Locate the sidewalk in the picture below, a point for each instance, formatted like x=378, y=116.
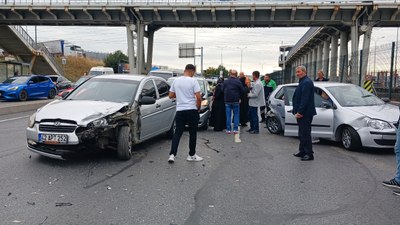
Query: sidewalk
x=15, y=107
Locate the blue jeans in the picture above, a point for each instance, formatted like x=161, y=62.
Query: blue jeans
x=397, y=152
x=228, y=109
x=253, y=118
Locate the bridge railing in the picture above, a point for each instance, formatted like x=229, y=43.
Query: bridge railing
x=21, y=32
x=167, y=2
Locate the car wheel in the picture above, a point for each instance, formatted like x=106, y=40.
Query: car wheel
x=52, y=93
x=350, y=139
x=124, y=143
x=274, y=125
x=23, y=95
x=171, y=131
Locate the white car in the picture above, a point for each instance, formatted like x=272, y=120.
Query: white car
x=107, y=111
x=345, y=113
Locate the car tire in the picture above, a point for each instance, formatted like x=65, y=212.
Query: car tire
x=274, y=125
x=205, y=126
x=52, y=93
x=350, y=139
x=23, y=95
x=124, y=143
x=170, y=133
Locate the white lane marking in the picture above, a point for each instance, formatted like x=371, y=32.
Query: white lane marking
x=11, y=119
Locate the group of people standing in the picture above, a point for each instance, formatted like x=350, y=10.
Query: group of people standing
x=242, y=98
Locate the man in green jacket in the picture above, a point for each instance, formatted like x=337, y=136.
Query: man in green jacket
x=269, y=87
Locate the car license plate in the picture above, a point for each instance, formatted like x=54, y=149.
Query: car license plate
x=53, y=138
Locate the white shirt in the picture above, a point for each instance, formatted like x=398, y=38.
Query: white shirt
x=185, y=88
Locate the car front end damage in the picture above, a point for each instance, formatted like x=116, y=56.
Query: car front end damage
x=59, y=138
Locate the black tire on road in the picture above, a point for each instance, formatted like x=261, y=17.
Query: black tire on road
x=124, y=143
x=23, y=95
x=350, y=139
x=52, y=93
x=274, y=125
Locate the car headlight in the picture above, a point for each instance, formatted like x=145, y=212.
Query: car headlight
x=31, y=121
x=13, y=88
x=378, y=124
x=98, y=123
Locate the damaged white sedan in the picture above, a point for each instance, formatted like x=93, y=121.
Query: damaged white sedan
x=105, y=112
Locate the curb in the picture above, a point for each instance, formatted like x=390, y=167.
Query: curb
x=16, y=107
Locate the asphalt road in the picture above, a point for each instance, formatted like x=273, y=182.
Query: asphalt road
x=257, y=181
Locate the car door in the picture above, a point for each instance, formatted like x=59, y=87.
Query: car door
x=150, y=114
x=167, y=105
x=32, y=87
x=43, y=86
x=291, y=127
x=322, y=124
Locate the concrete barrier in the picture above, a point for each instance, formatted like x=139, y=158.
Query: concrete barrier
x=16, y=107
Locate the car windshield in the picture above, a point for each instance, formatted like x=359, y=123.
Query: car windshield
x=350, y=96
x=81, y=80
x=16, y=80
x=111, y=90
x=95, y=73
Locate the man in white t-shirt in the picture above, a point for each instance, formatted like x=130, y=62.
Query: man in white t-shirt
x=186, y=90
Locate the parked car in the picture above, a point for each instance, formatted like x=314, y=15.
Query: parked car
x=106, y=112
x=163, y=73
x=60, y=81
x=26, y=87
x=206, y=102
x=346, y=113
x=101, y=70
x=82, y=79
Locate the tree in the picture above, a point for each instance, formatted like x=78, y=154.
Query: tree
x=114, y=59
x=212, y=72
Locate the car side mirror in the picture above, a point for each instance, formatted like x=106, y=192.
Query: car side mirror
x=146, y=100
x=386, y=100
x=30, y=82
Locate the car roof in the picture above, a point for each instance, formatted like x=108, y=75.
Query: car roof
x=322, y=84
x=134, y=77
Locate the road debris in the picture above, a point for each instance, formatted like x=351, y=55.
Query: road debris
x=31, y=203
x=63, y=204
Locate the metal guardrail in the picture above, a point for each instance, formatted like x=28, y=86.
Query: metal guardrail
x=21, y=32
x=169, y=2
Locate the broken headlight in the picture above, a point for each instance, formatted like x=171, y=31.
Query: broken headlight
x=102, y=122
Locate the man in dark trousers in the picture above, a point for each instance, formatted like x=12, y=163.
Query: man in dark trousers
x=186, y=91
x=304, y=111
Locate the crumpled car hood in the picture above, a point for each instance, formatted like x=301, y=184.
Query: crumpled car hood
x=81, y=111
x=386, y=112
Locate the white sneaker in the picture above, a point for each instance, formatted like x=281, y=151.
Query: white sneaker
x=314, y=140
x=194, y=158
x=171, y=158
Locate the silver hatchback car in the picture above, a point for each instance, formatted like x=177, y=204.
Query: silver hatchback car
x=107, y=111
x=345, y=113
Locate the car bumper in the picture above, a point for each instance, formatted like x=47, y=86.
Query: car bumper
x=377, y=139
x=9, y=95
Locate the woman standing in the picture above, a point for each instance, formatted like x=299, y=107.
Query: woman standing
x=244, y=100
x=218, y=117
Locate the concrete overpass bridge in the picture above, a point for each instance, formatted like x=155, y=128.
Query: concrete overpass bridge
x=142, y=18
x=16, y=41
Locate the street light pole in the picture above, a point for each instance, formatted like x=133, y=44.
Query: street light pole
x=241, y=57
x=222, y=48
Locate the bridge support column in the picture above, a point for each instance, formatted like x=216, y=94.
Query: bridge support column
x=325, y=59
x=319, y=58
x=150, y=44
x=309, y=62
x=31, y=65
x=365, y=54
x=140, y=48
x=343, y=59
x=131, y=48
x=353, y=78
x=334, y=59
x=313, y=70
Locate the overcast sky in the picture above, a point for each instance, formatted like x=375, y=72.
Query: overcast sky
x=260, y=45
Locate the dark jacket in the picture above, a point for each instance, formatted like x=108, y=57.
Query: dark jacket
x=323, y=79
x=233, y=90
x=303, y=98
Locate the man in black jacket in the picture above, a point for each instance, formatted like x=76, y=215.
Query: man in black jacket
x=233, y=91
x=304, y=111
